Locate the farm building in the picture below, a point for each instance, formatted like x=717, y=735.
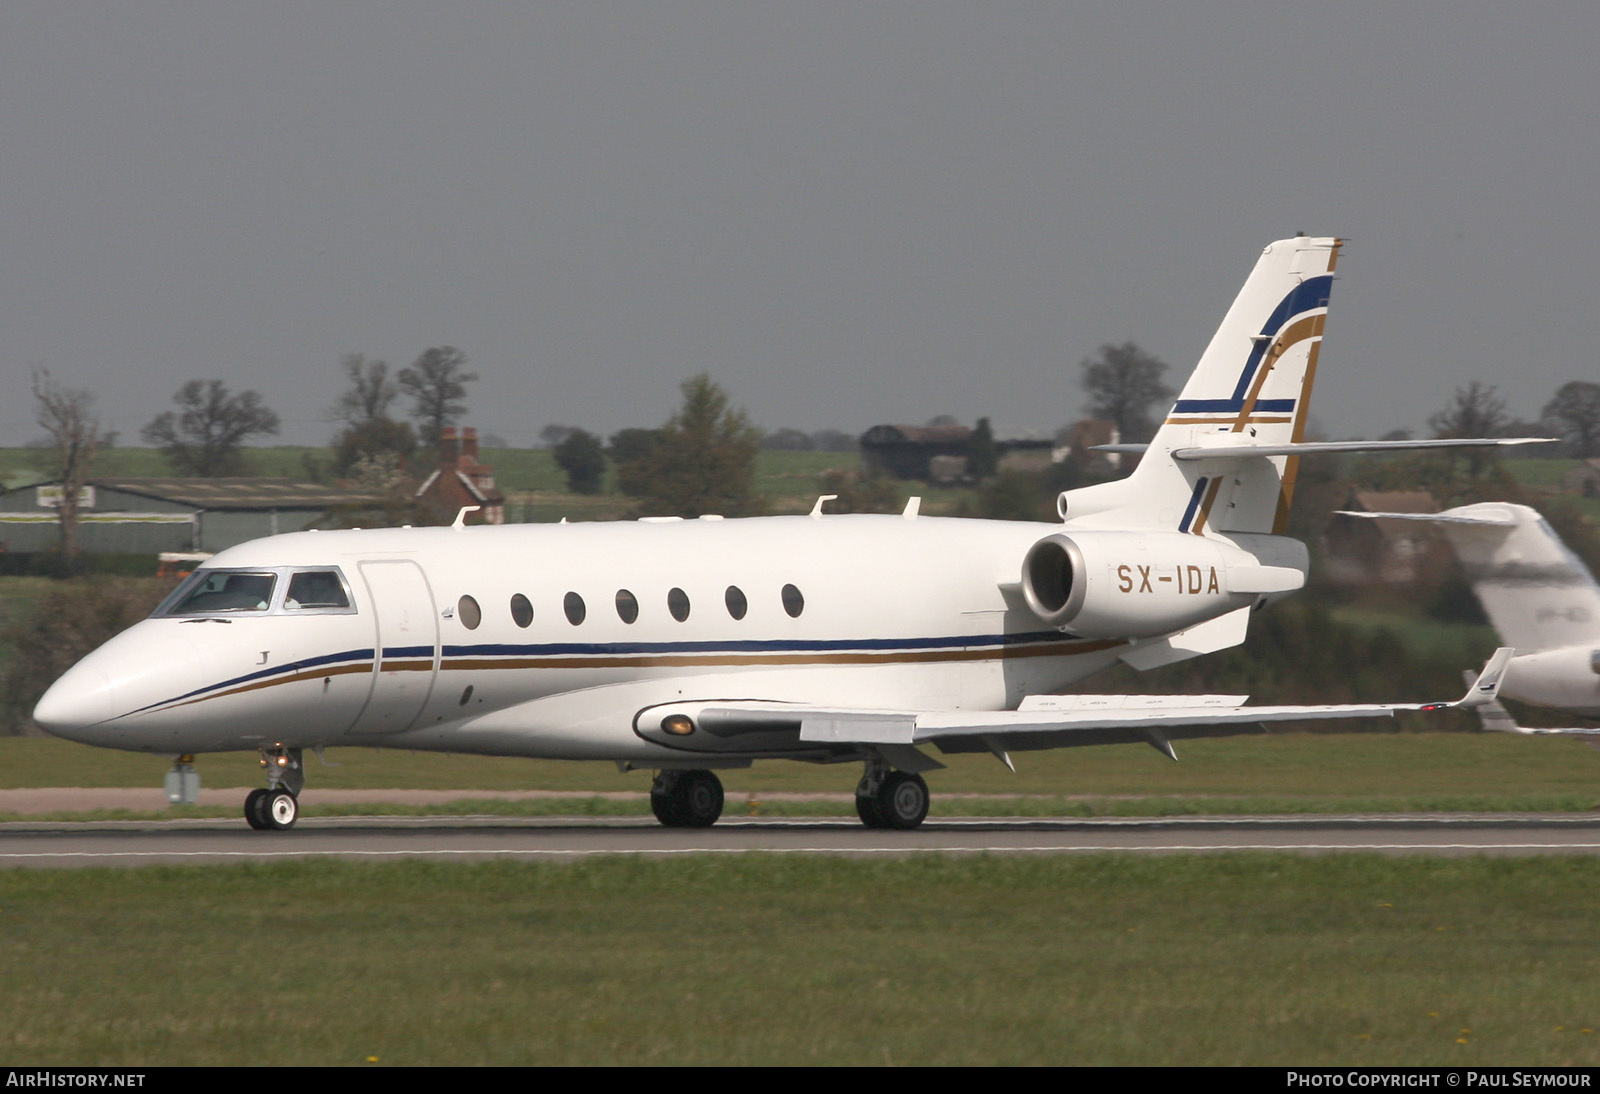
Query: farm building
x=939, y=453
x=148, y=516
x=461, y=482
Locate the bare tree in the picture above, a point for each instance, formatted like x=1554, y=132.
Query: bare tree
x=437, y=384
x=1123, y=383
x=67, y=415
x=370, y=391
x=370, y=438
x=204, y=436
x=1574, y=414
x=1474, y=411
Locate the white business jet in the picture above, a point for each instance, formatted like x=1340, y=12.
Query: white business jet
x=686, y=646
x=1540, y=597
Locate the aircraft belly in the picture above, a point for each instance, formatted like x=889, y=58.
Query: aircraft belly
x=589, y=713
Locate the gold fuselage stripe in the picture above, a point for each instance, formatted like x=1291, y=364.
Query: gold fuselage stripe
x=459, y=664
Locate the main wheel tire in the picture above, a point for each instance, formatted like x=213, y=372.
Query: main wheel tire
x=902, y=800
x=686, y=799
x=664, y=802
x=282, y=810
x=255, y=812
x=867, y=810
x=700, y=793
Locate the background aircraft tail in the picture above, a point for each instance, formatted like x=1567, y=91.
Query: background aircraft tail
x=1536, y=592
x=1250, y=388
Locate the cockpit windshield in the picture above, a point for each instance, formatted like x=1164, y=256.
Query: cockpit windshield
x=275, y=590
x=222, y=591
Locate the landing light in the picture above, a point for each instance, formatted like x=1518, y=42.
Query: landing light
x=678, y=725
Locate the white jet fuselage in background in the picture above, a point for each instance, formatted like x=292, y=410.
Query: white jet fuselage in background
x=1539, y=596
x=896, y=612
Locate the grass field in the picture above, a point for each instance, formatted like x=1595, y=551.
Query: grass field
x=1117, y=959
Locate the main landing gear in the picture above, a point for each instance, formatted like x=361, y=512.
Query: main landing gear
x=686, y=799
x=886, y=798
x=277, y=806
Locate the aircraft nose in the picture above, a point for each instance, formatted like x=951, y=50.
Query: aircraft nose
x=76, y=703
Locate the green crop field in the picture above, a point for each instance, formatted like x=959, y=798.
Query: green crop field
x=1111, y=959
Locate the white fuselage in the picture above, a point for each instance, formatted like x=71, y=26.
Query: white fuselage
x=893, y=612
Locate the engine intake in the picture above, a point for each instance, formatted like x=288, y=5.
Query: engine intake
x=1054, y=580
x=1138, y=585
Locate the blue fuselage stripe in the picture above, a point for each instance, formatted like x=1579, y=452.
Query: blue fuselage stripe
x=364, y=657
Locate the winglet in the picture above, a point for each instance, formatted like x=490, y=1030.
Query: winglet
x=1486, y=688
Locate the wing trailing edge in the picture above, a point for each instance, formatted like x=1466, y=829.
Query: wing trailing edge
x=1055, y=720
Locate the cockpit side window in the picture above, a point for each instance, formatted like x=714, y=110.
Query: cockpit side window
x=274, y=590
x=314, y=589
x=224, y=591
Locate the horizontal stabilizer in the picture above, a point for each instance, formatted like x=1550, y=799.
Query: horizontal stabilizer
x=1486, y=515
x=1308, y=448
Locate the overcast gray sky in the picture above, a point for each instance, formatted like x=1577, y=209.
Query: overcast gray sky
x=846, y=213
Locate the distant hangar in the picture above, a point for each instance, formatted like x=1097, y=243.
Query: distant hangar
x=148, y=516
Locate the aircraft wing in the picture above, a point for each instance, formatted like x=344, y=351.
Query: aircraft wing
x=1053, y=721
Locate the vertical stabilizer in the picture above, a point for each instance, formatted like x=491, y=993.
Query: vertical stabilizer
x=1251, y=386
x=1536, y=592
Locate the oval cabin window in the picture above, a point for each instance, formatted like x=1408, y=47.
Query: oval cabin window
x=737, y=604
x=627, y=606
x=469, y=613
x=793, y=602
x=678, y=604
x=573, y=605
x=521, y=610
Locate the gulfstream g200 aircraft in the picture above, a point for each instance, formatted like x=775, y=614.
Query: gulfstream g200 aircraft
x=685, y=646
x=1539, y=595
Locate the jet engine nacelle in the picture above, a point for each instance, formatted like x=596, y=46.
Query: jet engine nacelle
x=1133, y=585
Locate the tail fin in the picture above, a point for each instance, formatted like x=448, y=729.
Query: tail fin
x=1536, y=592
x=1252, y=386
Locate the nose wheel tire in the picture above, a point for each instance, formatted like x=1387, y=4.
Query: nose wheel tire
x=255, y=809
x=282, y=810
x=686, y=799
x=275, y=810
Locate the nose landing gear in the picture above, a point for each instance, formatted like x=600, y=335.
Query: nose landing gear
x=277, y=806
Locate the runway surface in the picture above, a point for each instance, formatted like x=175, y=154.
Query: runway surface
x=140, y=843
